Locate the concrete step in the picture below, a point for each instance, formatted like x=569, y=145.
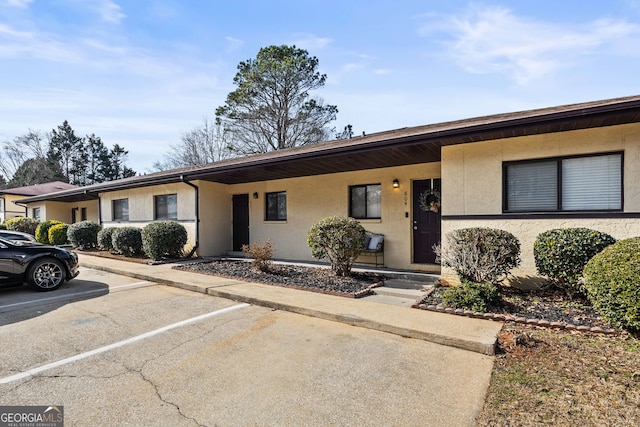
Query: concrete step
x=400, y=293
x=392, y=300
x=417, y=285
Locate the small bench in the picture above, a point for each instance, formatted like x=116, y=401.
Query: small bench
x=373, y=250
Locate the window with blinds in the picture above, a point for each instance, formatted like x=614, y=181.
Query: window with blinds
x=588, y=183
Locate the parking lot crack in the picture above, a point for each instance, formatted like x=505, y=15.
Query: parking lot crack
x=162, y=399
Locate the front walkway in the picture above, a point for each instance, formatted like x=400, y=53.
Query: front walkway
x=476, y=335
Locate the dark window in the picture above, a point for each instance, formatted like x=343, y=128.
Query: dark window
x=364, y=201
x=587, y=183
x=36, y=213
x=166, y=206
x=121, y=210
x=83, y=214
x=276, y=209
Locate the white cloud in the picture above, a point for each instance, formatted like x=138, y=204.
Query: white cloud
x=17, y=3
x=494, y=40
x=233, y=43
x=311, y=42
x=110, y=11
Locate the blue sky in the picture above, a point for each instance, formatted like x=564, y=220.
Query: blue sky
x=140, y=73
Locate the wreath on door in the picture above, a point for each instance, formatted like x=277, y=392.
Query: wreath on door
x=429, y=201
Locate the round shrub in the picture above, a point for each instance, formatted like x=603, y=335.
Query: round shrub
x=42, y=231
x=472, y=296
x=612, y=281
x=562, y=253
x=481, y=254
x=104, y=238
x=3, y=227
x=127, y=240
x=84, y=234
x=164, y=239
x=23, y=224
x=58, y=234
x=338, y=238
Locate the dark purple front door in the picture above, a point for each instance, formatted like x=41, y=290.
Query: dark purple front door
x=426, y=220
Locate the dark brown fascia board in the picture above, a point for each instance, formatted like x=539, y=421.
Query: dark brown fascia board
x=431, y=135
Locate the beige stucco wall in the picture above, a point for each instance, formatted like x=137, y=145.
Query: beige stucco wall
x=61, y=211
x=472, y=183
x=141, y=208
x=11, y=210
x=310, y=199
x=215, y=218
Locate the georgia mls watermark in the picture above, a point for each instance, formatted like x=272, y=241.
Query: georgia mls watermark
x=31, y=416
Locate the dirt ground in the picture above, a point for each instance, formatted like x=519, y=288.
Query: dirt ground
x=561, y=378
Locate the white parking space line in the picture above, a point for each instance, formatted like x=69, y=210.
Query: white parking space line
x=113, y=346
x=69, y=296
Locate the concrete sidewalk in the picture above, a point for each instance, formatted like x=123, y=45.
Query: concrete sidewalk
x=476, y=335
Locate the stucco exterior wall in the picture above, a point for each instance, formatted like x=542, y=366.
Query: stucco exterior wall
x=141, y=207
x=215, y=219
x=61, y=211
x=310, y=199
x=472, y=184
x=11, y=210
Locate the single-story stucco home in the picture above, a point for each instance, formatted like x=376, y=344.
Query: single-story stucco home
x=10, y=206
x=524, y=172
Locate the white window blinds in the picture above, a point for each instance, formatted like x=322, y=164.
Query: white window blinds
x=592, y=183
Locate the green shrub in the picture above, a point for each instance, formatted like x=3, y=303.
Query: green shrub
x=127, y=240
x=3, y=227
x=23, y=224
x=472, y=296
x=562, y=253
x=481, y=254
x=261, y=254
x=339, y=239
x=84, y=234
x=612, y=282
x=104, y=238
x=42, y=230
x=58, y=234
x=164, y=239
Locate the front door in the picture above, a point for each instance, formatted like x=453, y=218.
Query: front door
x=240, y=221
x=426, y=220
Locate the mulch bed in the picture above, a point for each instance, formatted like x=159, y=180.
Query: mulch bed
x=549, y=307
x=315, y=279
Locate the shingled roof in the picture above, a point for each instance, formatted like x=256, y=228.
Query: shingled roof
x=39, y=189
x=411, y=145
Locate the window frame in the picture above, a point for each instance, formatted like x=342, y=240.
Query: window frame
x=560, y=185
x=366, y=202
x=267, y=213
x=113, y=207
x=38, y=211
x=155, y=206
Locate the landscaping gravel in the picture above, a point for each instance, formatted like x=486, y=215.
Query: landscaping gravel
x=310, y=278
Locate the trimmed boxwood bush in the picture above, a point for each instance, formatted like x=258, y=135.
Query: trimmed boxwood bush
x=127, y=240
x=562, y=253
x=58, y=234
x=612, y=281
x=481, y=255
x=104, y=237
x=42, y=231
x=472, y=296
x=23, y=224
x=339, y=239
x=84, y=234
x=164, y=239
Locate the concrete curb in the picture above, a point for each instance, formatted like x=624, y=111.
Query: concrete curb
x=476, y=335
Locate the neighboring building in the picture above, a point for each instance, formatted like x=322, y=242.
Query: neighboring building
x=525, y=172
x=8, y=198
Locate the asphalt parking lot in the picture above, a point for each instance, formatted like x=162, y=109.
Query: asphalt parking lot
x=119, y=351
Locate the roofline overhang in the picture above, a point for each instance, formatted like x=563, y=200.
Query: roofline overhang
x=500, y=126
